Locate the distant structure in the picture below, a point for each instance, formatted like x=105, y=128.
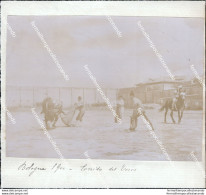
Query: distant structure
x=27, y=97
x=157, y=91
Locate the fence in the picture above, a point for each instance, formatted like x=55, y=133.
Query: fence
x=194, y=96
x=28, y=97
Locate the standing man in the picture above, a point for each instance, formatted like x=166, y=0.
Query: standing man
x=44, y=104
x=47, y=106
x=80, y=107
x=137, y=105
x=119, y=108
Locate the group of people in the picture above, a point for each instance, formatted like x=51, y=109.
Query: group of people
x=136, y=106
x=53, y=110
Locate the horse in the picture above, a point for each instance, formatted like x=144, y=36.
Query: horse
x=180, y=105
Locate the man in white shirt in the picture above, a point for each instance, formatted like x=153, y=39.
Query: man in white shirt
x=177, y=95
x=119, y=108
x=137, y=107
x=80, y=107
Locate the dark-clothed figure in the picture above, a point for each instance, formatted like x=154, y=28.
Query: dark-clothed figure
x=51, y=111
x=47, y=107
x=58, y=109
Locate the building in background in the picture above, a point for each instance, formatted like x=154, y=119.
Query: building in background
x=151, y=92
x=157, y=91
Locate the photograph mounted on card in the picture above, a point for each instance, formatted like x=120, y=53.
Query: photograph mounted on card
x=104, y=92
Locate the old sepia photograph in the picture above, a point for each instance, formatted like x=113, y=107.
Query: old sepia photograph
x=105, y=87
x=102, y=95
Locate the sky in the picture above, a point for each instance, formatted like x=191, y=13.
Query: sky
x=115, y=62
